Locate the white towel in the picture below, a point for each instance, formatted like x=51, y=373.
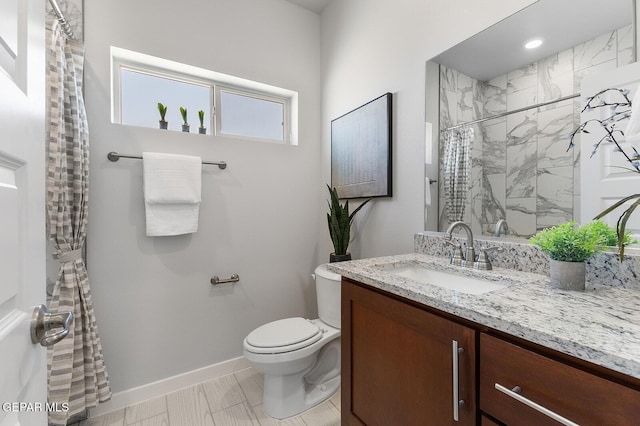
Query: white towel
x=172, y=193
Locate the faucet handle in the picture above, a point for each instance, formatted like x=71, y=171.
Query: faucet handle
x=457, y=258
x=483, y=262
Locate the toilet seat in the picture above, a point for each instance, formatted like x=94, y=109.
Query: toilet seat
x=281, y=336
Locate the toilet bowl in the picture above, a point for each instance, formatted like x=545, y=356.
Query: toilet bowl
x=300, y=358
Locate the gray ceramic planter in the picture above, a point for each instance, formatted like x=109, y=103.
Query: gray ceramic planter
x=163, y=124
x=567, y=275
x=339, y=257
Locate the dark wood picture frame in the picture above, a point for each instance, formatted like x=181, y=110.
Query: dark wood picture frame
x=361, y=150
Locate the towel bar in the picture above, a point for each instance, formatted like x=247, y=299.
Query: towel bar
x=215, y=280
x=114, y=156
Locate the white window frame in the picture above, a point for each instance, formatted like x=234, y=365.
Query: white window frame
x=286, y=127
x=163, y=68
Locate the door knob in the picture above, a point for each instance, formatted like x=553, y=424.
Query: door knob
x=44, y=325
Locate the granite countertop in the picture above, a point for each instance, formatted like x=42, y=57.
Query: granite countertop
x=600, y=325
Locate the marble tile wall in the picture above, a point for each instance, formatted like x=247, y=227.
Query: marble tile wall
x=521, y=169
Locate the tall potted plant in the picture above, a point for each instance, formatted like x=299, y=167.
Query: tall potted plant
x=339, y=221
x=185, y=124
x=163, y=111
x=569, y=246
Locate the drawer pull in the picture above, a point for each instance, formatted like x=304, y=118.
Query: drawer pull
x=457, y=402
x=515, y=394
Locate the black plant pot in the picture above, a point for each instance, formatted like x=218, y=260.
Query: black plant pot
x=339, y=257
x=163, y=124
x=185, y=128
x=202, y=130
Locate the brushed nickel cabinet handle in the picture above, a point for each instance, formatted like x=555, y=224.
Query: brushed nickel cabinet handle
x=457, y=402
x=515, y=394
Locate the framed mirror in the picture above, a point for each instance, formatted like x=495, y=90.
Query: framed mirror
x=519, y=104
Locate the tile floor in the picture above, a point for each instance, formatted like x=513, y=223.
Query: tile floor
x=231, y=400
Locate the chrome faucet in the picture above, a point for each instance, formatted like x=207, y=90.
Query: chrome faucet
x=501, y=225
x=470, y=254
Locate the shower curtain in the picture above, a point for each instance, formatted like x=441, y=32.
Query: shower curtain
x=76, y=371
x=457, y=169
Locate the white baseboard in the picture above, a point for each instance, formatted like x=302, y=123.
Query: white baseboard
x=170, y=384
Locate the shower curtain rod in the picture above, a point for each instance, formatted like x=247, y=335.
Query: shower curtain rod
x=468, y=123
x=63, y=21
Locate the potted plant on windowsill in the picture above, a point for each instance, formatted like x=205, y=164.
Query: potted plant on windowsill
x=569, y=246
x=163, y=111
x=185, y=124
x=339, y=221
x=202, y=130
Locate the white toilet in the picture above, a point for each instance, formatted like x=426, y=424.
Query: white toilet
x=300, y=358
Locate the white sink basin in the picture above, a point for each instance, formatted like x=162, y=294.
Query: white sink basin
x=448, y=280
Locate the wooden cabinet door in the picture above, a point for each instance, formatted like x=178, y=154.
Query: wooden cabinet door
x=398, y=363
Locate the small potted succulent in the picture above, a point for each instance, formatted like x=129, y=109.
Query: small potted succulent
x=185, y=124
x=163, y=111
x=202, y=130
x=339, y=221
x=569, y=246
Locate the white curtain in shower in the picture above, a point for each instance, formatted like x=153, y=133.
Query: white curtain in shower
x=457, y=171
x=76, y=372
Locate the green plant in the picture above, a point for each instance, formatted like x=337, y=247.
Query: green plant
x=201, y=117
x=339, y=221
x=568, y=242
x=610, y=234
x=163, y=111
x=183, y=113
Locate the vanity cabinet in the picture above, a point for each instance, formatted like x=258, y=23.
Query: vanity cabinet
x=400, y=365
x=514, y=379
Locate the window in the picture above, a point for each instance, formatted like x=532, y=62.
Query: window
x=141, y=92
x=233, y=107
x=241, y=114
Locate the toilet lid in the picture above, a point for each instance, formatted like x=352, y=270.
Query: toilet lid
x=284, y=335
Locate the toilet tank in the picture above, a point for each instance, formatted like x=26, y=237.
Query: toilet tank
x=328, y=292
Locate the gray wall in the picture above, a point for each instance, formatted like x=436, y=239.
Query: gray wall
x=264, y=216
x=157, y=313
x=370, y=47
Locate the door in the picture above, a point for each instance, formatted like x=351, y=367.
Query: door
x=605, y=177
x=22, y=210
x=431, y=142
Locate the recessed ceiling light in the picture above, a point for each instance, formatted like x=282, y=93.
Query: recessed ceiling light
x=532, y=44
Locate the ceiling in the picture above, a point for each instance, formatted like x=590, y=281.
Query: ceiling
x=560, y=23
x=316, y=6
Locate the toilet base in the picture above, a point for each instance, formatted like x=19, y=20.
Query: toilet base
x=287, y=395
x=280, y=405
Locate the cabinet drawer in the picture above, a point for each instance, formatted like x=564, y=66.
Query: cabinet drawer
x=574, y=394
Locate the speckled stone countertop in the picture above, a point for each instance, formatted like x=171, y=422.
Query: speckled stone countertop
x=600, y=325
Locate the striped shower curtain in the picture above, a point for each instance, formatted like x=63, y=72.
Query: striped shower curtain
x=76, y=371
x=457, y=171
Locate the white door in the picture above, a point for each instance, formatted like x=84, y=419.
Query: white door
x=605, y=177
x=22, y=210
x=432, y=131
